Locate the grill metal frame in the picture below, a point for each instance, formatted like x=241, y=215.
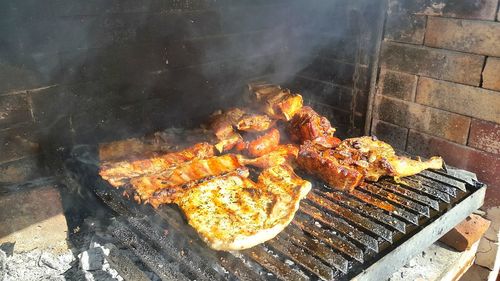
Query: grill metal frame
x=365, y=235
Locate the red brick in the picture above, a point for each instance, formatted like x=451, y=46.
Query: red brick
x=436, y=63
x=478, y=9
x=485, y=136
x=398, y=84
x=436, y=122
x=491, y=74
x=485, y=165
x=462, y=99
x=479, y=37
x=405, y=27
x=466, y=233
x=390, y=133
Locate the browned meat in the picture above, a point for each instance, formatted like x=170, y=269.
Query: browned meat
x=376, y=158
x=254, y=123
x=222, y=126
x=187, y=172
x=307, y=124
x=264, y=144
x=116, y=173
x=276, y=102
x=320, y=162
x=284, y=153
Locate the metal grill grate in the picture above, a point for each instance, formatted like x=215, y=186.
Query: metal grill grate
x=334, y=235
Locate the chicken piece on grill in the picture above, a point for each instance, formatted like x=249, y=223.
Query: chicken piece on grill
x=308, y=125
x=231, y=212
x=184, y=173
x=284, y=153
x=222, y=126
x=117, y=173
x=377, y=158
x=321, y=162
x=254, y=123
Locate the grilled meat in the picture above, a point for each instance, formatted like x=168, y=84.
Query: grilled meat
x=254, y=123
x=184, y=173
x=284, y=153
x=233, y=213
x=264, y=144
x=276, y=102
x=171, y=194
x=321, y=162
x=222, y=126
x=308, y=125
x=117, y=173
x=376, y=158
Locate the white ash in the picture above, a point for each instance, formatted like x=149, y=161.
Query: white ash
x=35, y=265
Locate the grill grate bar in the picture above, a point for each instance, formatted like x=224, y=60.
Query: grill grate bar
x=341, y=226
x=365, y=209
x=329, y=238
x=272, y=264
x=298, y=237
x=410, y=194
x=397, y=211
x=446, y=180
x=421, y=209
x=429, y=190
x=354, y=218
x=437, y=185
x=297, y=255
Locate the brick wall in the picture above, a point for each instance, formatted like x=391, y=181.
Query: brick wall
x=439, y=84
x=79, y=72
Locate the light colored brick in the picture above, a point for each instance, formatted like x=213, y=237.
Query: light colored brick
x=478, y=37
x=491, y=74
x=485, y=136
x=436, y=122
x=462, y=99
x=435, y=63
x=398, y=84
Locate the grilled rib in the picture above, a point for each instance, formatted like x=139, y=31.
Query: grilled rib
x=117, y=173
x=186, y=172
x=284, y=153
x=254, y=123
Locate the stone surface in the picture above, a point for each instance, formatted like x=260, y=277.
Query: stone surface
x=477, y=273
x=20, y=171
x=493, y=233
x=478, y=37
x=14, y=109
x=471, y=9
x=462, y=99
x=437, y=122
x=484, y=164
x=18, y=142
x=466, y=233
x=487, y=254
x=491, y=74
x=397, y=84
x=485, y=136
x=435, y=63
x=33, y=219
x=390, y=133
x=438, y=262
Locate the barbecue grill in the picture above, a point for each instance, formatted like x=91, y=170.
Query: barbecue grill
x=363, y=235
